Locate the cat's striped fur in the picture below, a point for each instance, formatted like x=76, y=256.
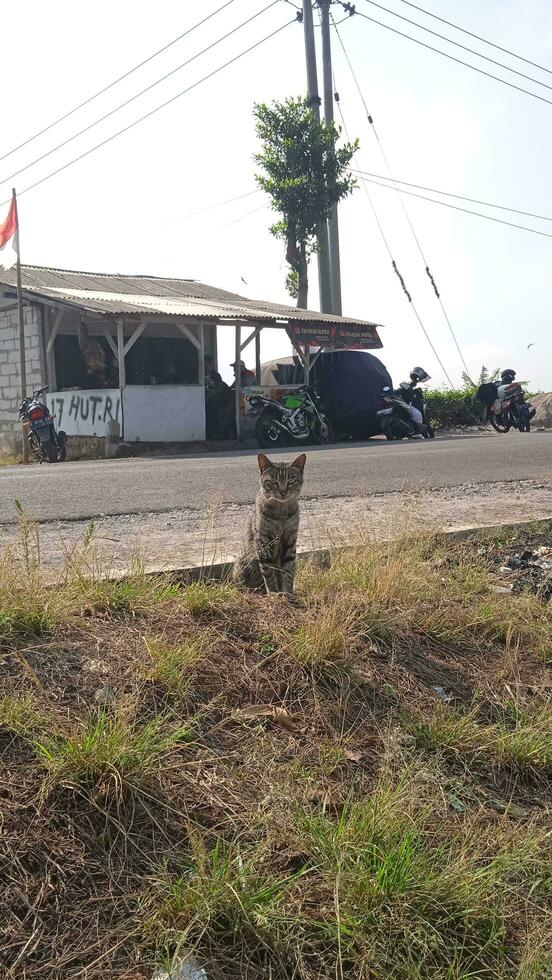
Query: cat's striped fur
x=267, y=561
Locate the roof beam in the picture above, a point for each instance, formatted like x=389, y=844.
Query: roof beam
x=190, y=336
x=54, y=331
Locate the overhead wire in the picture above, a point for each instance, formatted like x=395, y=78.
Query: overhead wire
x=451, y=57
x=152, y=112
x=393, y=262
x=478, y=37
x=116, y=81
x=213, y=207
x=403, y=206
x=456, y=207
x=133, y=98
x=457, y=44
x=460, y=197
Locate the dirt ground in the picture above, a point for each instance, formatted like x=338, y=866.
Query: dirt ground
x=188, y=537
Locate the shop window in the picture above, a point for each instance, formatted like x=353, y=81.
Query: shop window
x=162, y=361
x=151, y=361
x=92, y=366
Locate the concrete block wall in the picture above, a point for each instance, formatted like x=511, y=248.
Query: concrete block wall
x=10, y=380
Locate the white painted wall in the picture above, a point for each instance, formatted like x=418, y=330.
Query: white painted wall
x=164, y=413
x=85, y=413
x=151, y=413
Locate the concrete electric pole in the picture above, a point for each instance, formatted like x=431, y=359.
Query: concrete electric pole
x=333, y=226
x=324, y=270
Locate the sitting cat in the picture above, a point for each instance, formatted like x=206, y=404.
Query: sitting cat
x=267, y=561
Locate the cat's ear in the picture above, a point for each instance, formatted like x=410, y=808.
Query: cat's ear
x=264, y=462
x=299, y=463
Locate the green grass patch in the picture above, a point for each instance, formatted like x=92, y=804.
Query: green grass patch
x=204, y=597
x=118, y=747
x=525, y=744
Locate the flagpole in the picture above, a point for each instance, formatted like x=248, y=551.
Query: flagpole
x=22, y=359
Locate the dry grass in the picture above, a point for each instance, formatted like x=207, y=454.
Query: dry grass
x=356, y=784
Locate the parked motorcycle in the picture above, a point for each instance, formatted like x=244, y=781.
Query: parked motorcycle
x=298, y=417
x=505, y=403
x=403, y=413
x=46, y=444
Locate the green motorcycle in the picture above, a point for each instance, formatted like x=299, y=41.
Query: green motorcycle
x=298, y=417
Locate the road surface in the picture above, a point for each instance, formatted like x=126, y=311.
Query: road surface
x=176, y=512
x=85, y=490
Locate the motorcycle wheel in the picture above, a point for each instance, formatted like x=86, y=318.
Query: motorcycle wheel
x=321, y=434
x=499, y=426
x=395, y=429
x=36, y=448
x=431, y=432
x=268, y=434
x=51, y=450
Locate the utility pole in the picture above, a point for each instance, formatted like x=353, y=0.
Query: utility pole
x=333, y=225
x=324, y=270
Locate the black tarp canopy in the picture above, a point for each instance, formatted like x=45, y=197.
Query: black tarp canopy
x=348, y=381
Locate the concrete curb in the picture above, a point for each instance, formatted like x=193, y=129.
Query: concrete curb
x=219, y=571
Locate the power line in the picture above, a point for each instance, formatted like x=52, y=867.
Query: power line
x=451, y=57
x=455, y=207
x=138, y=94
x=212, y=207
x=478, y=37
x=153, y=111
x=393, y=262
x=460, y=197
x=405, y=212
x=116, y=81
x=457, y=44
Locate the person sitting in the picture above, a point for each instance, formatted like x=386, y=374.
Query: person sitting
x=247, y=377
x=212, y=377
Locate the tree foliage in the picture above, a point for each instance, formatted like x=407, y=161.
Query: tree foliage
x=305, y=174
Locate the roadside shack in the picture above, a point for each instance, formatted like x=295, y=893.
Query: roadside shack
x=128, y=351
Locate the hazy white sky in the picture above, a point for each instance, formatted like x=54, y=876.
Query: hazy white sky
x=126, y=207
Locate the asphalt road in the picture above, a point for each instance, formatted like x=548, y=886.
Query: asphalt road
x=80, y=491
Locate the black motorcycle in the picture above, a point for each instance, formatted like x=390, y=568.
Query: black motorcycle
x=298, y=417
x=397, y=419
x=509, y=410
x=46, y=444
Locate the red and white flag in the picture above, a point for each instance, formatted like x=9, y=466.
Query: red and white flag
x=9, y=244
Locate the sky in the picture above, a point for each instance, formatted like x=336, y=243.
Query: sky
x=129, y=207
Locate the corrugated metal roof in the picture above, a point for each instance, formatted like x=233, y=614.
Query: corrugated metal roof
x=138, y=295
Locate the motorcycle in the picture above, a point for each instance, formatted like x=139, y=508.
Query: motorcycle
x=403, y=412
x=298, y=417
x=45, y=443
x=510, y=410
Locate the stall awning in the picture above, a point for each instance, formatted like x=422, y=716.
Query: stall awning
x=122, y=295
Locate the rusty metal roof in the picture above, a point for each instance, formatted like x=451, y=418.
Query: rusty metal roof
x=118, y=295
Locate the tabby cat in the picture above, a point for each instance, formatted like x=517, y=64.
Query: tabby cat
x=267, y=561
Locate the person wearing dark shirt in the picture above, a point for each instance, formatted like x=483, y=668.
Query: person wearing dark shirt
x=212, y=377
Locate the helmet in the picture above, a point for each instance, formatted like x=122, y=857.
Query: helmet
x=418, y=374
x=507, y=376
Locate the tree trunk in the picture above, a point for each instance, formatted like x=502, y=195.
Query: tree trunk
x=302, y=287
x=296, y=257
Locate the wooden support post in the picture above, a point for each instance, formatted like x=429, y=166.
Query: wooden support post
x=237, y=388
x=201, y=354
x=307, y=364
x=121, y=354
x=258, y=355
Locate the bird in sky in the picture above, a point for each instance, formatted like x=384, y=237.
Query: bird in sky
x=530, y=345
x=243, y=280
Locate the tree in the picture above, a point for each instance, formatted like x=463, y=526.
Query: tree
x=305, y=174
x=485, y=376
